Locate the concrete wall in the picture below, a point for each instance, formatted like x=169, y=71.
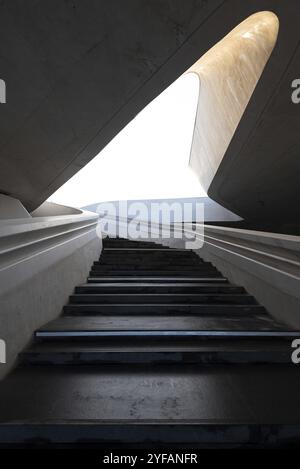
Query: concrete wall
x=41, y=261
x=266, y=264
x=11, y=208
x=50, y=209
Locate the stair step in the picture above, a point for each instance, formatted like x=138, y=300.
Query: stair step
x=150, y=298
x=207, y=405
x=136, y=245
x=154, y=280
x=163, y=309
x=128, y=324
x=198, y=267
x=158, y=263
x=204, y=335
x=151, y=263
x=159, y=352
x=144, y=287
x=151, y=272
x=146, y=252
x=139, y=250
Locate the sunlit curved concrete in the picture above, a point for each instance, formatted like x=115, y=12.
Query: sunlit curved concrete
x=228, y=74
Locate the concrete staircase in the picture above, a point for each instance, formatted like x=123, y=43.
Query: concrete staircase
x=156, y=348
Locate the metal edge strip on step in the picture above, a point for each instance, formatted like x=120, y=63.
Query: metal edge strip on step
x=163, y=277
x=171, y=305
x=162, y=333
x=137, y=248
x=142, y=284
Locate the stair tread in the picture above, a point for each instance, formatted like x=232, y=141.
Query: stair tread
x=142, y=287
x=129, y=323
x=136, y=247
x=157, y=279
x=146, y=252
x=212, y=394
x=160, y=285
x=160, y=309
x=159, y=298
x=151, y=273
x=181, y=345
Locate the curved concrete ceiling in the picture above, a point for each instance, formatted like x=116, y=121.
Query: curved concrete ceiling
x=77, y=72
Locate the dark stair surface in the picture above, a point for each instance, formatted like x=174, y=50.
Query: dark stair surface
x=156, y=348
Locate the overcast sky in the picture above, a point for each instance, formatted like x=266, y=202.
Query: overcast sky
x=148, y=159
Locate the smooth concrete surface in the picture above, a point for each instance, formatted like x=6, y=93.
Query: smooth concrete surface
x=266, y=264
x=162, y=323
x=258, y=178
x=11, y=208
x=228, y=74
x=41, y=260
x=77, y=73
x=50, y=209
x=240, y=394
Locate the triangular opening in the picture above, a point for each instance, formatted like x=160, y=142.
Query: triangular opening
x=148, y=159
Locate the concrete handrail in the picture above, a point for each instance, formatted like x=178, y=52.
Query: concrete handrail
x=21, y=239
x=24, y=237
x=41, y=259
x=274, y=257
x=278, y=248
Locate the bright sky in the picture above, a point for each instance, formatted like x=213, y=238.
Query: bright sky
x=148, y=159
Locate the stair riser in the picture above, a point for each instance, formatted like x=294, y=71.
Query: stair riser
x=136, y=245
x=194, y=434
x=152, y=253
x=149, y=273
x=164, y=309
x=152, y=358
x=116, y=240
x=155, y=280
x=204, y=337
x=159, y=289
x=160, y=263
x=162, y=267
x=160, y=299
x=145, y=252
